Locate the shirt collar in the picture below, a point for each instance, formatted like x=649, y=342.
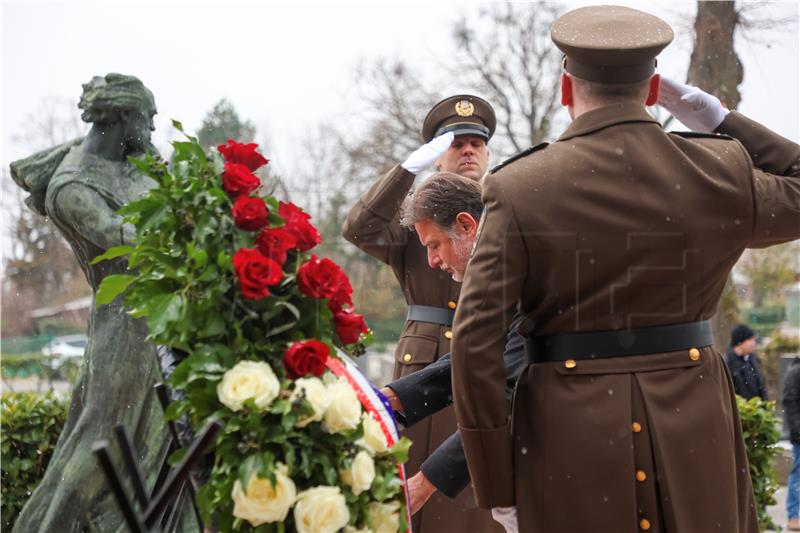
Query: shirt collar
x=603, y=117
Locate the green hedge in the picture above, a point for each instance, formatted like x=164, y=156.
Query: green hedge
x=45, y=366
x=761, y=432
x=30, y=425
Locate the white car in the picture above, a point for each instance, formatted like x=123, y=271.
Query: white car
x=66, y=346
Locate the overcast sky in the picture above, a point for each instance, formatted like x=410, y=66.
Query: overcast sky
x=289, y=66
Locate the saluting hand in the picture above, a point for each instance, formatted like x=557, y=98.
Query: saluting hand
x=427, y=154
x=694, y=107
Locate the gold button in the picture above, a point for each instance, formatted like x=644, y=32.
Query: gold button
x=448, y=334
x=694, y=354
x=451, y=305
x=636, y=427
x=640, y=475
x=644, y=523
x=408, y=357
x=570, y=363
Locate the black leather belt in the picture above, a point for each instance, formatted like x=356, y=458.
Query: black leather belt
x=621, y=343
x=434, y=315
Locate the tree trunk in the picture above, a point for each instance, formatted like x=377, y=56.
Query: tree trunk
x=715, y=68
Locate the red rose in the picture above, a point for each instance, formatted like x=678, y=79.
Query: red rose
x=237, y=179
x=255, y=273
x=305, y=357
x=274, y=243
x=249, y=213
x=297, y=223
x=349, y=326
x=242, y=154
x=343, y=295
x=319, y=278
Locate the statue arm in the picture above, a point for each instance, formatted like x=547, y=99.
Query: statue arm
x=89, y=215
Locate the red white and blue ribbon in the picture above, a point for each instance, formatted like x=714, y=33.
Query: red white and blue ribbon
x=376, y=404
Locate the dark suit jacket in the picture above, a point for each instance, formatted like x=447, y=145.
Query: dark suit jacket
x=429, y=390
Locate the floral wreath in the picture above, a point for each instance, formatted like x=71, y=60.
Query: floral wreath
x=226, y=276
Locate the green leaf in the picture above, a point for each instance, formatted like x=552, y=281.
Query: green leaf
x=177, y=125
x=113, y=253
x=162, y=310
x=112, y=286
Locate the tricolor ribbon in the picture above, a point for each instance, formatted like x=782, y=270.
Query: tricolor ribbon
x=376, y=404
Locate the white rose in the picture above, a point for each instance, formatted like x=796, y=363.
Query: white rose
x=373, y=440
x=320, y=510
x=351, y=529
x=248, y=379
x=360, y=474
x=384, y=517
x=315, y=393
x=344, y=412
x=261, y=502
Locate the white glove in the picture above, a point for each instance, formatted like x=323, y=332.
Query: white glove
x=695, y=108
x=427, y=154
x=506, y=517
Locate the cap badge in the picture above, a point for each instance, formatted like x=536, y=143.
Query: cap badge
x=464, y=108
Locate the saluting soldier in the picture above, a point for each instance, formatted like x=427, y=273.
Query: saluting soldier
x=615, y=242
x=456, y=132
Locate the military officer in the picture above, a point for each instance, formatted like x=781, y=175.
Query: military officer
x=456, y=132
x=615, y=242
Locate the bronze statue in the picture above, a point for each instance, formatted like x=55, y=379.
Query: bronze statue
x=79, y=186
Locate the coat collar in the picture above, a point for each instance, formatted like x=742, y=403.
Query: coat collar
x=604, y=117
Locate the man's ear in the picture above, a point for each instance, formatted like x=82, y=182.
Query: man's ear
x=652, y=95
x=566, y=90
x=466, y=223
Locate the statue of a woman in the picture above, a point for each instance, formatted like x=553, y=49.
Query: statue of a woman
x=79, y=186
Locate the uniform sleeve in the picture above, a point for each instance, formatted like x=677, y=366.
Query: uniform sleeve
x=372, y=224
x=775, y=180
x=488, y=300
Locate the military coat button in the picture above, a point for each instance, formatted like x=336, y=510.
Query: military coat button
x=408, y=357
x=694, y=354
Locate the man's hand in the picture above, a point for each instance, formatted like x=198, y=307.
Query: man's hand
x=697, y=109
x=419, y=491
x=394, y=401
x=506, y=517
x=427, y=154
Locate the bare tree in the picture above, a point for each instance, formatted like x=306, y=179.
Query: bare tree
x=512, y=61
x=40, y=268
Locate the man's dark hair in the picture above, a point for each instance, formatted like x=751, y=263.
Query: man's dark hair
x=441, y=198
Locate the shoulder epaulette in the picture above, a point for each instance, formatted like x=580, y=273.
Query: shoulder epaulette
x=700, y=135
x=514, y=157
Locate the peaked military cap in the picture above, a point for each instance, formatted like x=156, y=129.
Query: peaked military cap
x=610, y=44
x=463, y=114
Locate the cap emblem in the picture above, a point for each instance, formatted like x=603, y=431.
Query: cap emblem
x=464, y=108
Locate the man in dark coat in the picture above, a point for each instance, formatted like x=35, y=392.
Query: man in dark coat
x=456, y=132
x=615, y=243
x=744, y=365
x=447, y=209
x=791, y=407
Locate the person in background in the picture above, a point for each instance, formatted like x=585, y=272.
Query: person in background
x=791, y=407
x=744, y=365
